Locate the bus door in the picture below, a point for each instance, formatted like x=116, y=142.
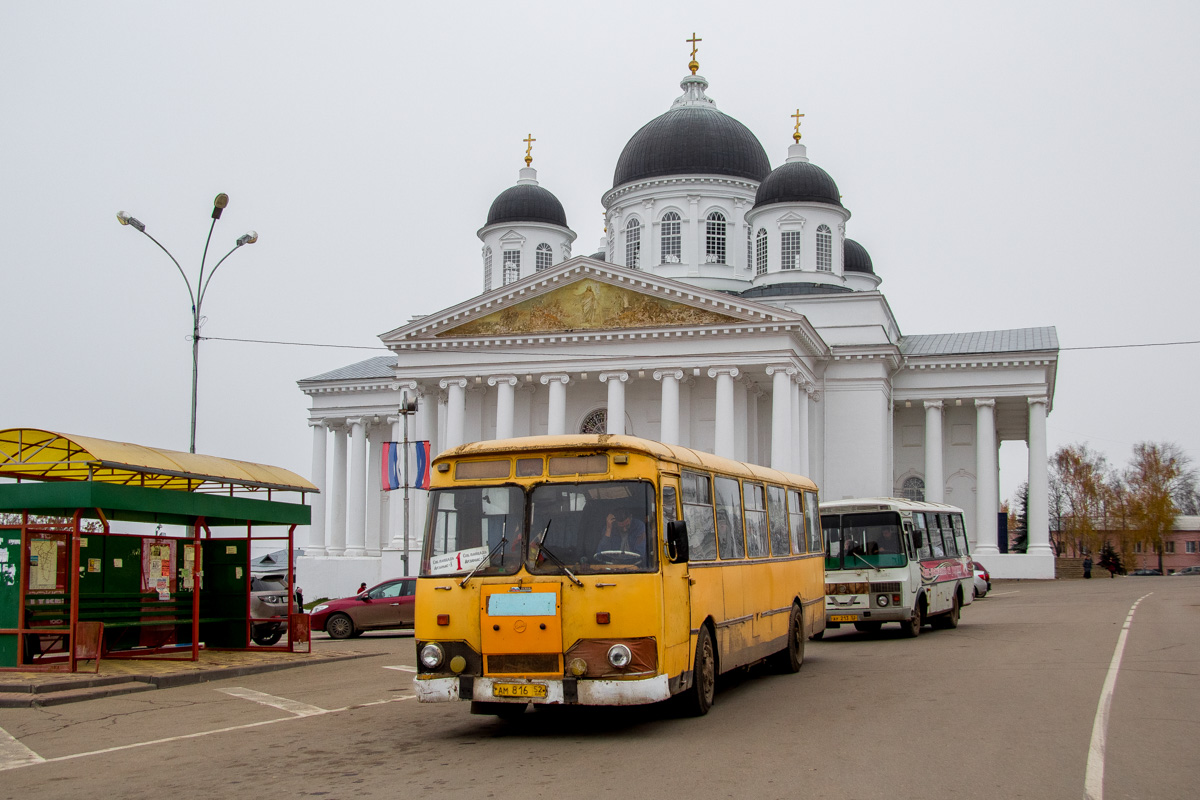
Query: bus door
x=676, y=594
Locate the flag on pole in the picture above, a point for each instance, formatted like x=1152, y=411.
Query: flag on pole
x=393, y=465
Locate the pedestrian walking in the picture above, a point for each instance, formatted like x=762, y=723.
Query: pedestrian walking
x=1087, y=566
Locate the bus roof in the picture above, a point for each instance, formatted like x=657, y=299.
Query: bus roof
x=684, y=456
x=886, y=504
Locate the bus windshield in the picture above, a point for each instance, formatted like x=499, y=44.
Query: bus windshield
x=863, y=541
x=586, y=528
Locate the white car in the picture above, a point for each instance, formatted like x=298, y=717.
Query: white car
x=983, y=581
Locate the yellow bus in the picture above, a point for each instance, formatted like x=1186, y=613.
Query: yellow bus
x=609, y=570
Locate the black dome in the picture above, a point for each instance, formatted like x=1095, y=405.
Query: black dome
x=527, y=202
x=857, y=258
x=692, y=141
x=797, y=182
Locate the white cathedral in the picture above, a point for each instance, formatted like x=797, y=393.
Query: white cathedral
x=727, y=311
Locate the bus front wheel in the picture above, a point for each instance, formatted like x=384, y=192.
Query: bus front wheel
x=698, y=699
x=912, y=628
x=791, y=658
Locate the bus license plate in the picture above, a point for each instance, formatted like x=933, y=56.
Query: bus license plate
x=518, y=690
x=843, y=617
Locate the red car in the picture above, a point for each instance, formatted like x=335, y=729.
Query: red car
x=387, y=605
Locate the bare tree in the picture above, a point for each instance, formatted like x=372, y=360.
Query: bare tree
x=1081, y=472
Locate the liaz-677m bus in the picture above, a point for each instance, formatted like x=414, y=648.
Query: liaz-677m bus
x=609, y=570
x=893, y=560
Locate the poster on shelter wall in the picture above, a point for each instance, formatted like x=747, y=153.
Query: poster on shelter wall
x=43, y=564
x=189, y=566
x=158, y=566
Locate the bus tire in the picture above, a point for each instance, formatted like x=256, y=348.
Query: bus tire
x=912, y=628
x=698, y=699
x=949, y=620
x=791, y=657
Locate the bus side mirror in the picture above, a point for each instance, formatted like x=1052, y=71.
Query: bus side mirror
x=677, y=541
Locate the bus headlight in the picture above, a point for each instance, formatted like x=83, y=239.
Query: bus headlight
x=619, y=656
x=882, y=600
x=432, y=655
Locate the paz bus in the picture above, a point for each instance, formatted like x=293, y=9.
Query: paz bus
x=894, y=560
x=609, y=570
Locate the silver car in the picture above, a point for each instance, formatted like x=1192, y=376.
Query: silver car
x=268, y=608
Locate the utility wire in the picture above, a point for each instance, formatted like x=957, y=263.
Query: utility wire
x=377, y=347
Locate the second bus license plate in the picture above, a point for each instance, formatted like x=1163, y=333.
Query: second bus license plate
x=843, y=617
x=518, y=690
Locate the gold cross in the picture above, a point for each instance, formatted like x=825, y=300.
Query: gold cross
x=693, y=41
x=796, y=134
x=529, y=140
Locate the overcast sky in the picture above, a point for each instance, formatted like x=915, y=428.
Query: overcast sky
x=1020, y=164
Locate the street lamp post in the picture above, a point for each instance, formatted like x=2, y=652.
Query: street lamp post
x=197, y=293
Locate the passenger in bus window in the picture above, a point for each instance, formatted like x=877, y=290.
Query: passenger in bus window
x=883, y=541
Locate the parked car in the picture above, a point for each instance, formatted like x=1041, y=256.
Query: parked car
x=387, y=605
x=1145, y=572
x=269, y=607
x=983, y=580
x=1193, y=570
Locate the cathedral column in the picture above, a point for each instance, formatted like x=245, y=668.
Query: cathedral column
x=817, y=422
x=376, y=522
x=781, y=416
x=935, y=479
x=691, y=242
x=395, y=498
x=505, y=404
x=734, y=254
x=356, y=499
x=670, y=378
x=723, y=438
x=616, y=400
x=337, y=498
x=649, y=235
x=753, y=393
x=802, y=428
x=616, y=226
x=1037, y=506
x=740, y=418
x=987, y=486
x=797, y=395
x=456, y=410
x=316, y=530
x=556, y=416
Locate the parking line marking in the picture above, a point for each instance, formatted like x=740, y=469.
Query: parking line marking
x=200, y=734
x=282, y=703
x=13, y=754
x=1093, y=784
x=403, y=668
x=1001, y=594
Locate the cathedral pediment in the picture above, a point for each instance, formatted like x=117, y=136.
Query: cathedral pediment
x=585, y=295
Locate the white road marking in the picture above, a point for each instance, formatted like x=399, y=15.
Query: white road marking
x=1093, y=784
x=1001, y=594
x=200, y=734
x=282, y=703
x=403, y=668
x=14, y=754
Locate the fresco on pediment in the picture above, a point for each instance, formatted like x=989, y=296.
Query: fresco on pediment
x=588, y=305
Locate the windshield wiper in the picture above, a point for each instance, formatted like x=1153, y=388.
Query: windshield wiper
x=543, y=549
x=868, y=563
x=486, y=560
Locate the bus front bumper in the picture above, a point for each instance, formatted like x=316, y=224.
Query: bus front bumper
x=591, y=692
x=841, y=615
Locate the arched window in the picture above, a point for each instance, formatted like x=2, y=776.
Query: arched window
x=671, y=246
x=543, y=257
x=714, y=239
x=914, y=489
x=789, y=250
x=824, y=249
x=761, y=266
x=633, y=243
x=487, y=269
x=512, y=266
x=595, y=422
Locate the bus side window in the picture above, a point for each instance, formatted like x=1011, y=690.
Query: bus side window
x=698, y=514
x=777, y=514
x=756, y=520
x=730, y=539
x=948, y=535
x=922, y=533
x=960, y=535
x=812, y=522
x=935, y=537
x=796, y=520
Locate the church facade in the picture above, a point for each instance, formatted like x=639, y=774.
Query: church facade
x=726, y=311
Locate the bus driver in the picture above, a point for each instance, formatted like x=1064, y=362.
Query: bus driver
x=623, y=533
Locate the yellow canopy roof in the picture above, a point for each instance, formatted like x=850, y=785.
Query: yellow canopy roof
x=47, y=455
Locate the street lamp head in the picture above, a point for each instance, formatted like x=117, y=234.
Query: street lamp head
x=249, y=237
x=219, y=203
x=125, y=219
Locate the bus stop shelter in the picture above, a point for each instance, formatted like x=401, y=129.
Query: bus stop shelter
x=76, y=583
